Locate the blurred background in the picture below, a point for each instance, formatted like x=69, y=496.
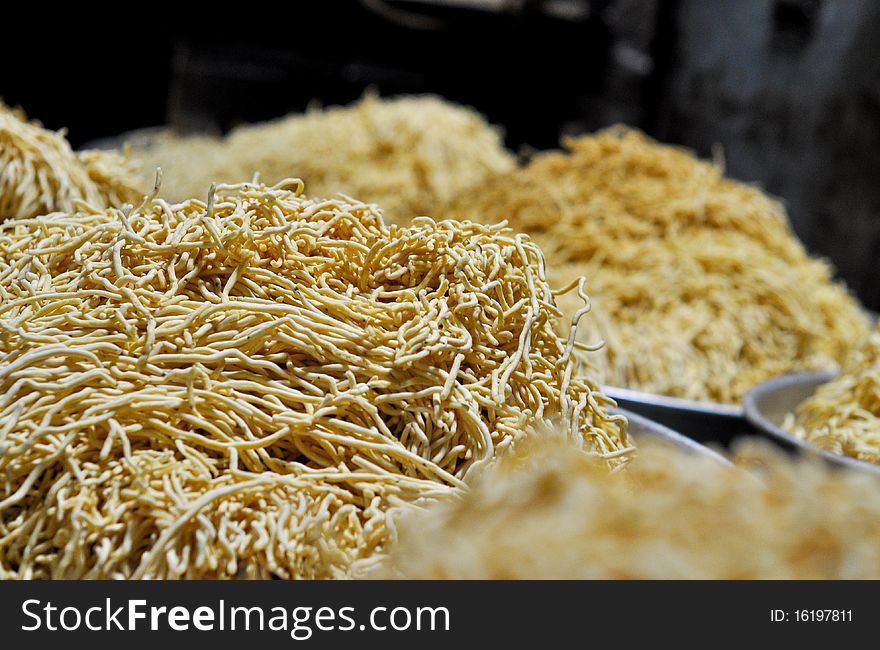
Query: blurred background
x=787, y=90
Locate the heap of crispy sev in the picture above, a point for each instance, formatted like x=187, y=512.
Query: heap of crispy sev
x=701, y=289
x=408, y=154
x=548, y=512
x=252, y=386
x=40, y=173
x=843, y=416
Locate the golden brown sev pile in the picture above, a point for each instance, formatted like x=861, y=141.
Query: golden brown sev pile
x=843, y=416
x=549, y=512
x=408, y=154
x=250, y=387
x=40, y=173
x=701, y=290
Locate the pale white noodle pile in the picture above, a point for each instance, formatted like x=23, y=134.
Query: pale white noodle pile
x=408, y=154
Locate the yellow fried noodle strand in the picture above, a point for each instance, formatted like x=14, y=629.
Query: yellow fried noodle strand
x=40, y=173
x=843, y=416
x=700, y=288
x=252, y=386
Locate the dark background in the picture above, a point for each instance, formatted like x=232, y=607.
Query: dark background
x=790, y=89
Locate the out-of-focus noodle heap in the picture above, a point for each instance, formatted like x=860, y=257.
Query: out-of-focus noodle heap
x=408, y=154
x=249, y=388
x=843, y=416
x=549, y=512
x=701, y=290
x=40, y=173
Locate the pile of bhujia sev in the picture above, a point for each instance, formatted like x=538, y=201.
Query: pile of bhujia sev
x=701, y=289
x=407, y=154
x=549, y=512
x=843, y=416
x=253, y=385
x=40, y=173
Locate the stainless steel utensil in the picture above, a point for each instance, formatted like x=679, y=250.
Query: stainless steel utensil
x=767, y=404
